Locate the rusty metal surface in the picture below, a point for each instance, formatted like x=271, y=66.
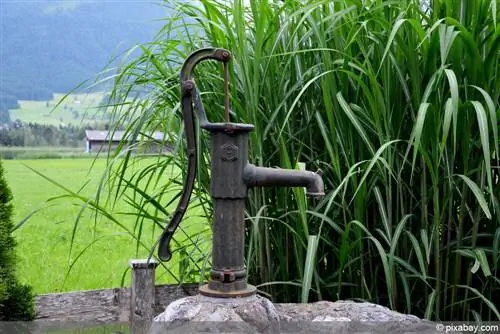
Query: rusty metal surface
x=224, y=290
x=231, y=177
x=189, y=95
x=264, y=176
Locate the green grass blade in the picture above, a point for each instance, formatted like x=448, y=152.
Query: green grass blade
x=478, y=194
x=312, y=249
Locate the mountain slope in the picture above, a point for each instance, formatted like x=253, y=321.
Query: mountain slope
x=49, y=46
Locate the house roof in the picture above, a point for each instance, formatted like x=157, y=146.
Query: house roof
x=117, y=135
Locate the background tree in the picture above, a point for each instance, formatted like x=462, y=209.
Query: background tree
x=16, y=299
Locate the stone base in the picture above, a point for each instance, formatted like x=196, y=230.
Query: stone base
x=202, y=314
x=349, y=317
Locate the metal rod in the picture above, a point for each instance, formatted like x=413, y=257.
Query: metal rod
x=226, y=91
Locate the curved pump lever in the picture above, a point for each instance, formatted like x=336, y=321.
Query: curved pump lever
x=190, y=96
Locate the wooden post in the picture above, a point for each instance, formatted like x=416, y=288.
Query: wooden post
x=142, y=296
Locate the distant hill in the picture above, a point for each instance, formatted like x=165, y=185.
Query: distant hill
x=52, y=46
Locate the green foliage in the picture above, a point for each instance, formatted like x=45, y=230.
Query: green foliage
x=37, y=135
x=398, y=103
x=16, y=299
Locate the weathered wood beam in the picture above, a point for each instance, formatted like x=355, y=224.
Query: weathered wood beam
x=142, y=297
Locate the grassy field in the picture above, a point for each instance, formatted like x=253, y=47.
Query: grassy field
x=42, y=152
x=44, y=240
x=70, y=111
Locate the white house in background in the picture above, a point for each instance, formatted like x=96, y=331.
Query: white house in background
x=104, y=141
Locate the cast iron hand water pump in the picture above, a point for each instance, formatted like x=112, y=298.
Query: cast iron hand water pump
x=231, y=176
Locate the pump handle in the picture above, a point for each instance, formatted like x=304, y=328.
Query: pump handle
x=190, y=97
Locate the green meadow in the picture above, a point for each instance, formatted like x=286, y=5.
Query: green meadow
x=59, y=110
x=64, y=248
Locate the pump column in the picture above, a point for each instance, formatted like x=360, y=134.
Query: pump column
x=229, y=157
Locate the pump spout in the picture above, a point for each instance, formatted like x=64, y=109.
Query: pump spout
x=263, y=176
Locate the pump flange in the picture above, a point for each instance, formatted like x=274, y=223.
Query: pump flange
x=237, y=289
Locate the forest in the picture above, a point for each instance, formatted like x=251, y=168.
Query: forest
x=20, y=134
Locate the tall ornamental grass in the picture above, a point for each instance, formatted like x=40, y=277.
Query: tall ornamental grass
x=396, y=101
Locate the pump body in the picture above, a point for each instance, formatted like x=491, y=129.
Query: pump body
x=232, y=175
